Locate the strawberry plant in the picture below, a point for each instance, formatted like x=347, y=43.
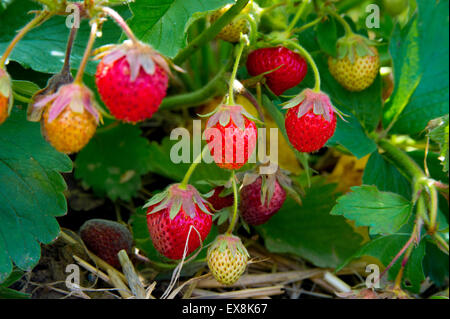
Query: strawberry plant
x=224, y=148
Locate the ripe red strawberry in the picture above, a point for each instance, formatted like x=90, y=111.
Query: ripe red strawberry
x=175, y=214
x=132, y=80
x=292, y=71
x=231, y=136
x=106, y=238
x=227, y=259
x=357, y=64
x=69, y=119
x=6, y=97
x=310, y=121
x=261, y=198
x=219, y=202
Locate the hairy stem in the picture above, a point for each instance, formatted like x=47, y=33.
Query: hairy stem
x=235, y=204
x=311, y=62
x=121, y=22
x=72, y=36
x=211, y=32
x=405, y=163
x=41, y=17
x=87, y=53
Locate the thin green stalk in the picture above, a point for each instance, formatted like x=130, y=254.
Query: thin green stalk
x=307, y=26
x=341, y=20
x=297, y=17
x=121, y=22
x=230, y=98
x=311, y=62
x=191, y=169
x=44, y=15
x=235, y=204
x=210, y=33
x=87, y=53
x=199, y=96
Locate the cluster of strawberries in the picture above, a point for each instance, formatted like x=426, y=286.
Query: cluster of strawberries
x=132, y=80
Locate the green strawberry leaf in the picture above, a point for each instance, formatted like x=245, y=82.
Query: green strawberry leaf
x=327, y=36
x=43, y=48
x=385, y=176
x=156, y=21
x=309, y=231
x=114, y=161
x=8, y=293
x=383, y=212
x=421, y=68
x=385, y=248
x=31, y=192
x=436, y=264
x=351, y=135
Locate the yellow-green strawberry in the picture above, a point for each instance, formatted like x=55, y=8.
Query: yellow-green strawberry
x=231, y=32
x=6, y=97
x=227, y=259
x=357, y=64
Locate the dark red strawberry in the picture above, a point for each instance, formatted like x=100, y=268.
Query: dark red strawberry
x=231, y=136
x=310, y=121
x=291, y=66
x=175, y=214
x=257, y=206
x=106, y=238
x=219, y=202
x=132, y=80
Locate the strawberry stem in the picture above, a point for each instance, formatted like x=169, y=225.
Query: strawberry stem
x=296, y=18
x=44, y=15
x=191, y=169
x=214, y=87
x=87, y=53
x=235, y=204
x=306, y=26
x=230, y=98
x=121, y=22
x=347, y=28
x=311, y=62
x=210, y=33
x=72, y=36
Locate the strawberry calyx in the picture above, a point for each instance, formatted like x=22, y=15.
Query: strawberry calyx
x=268, y=183
x=76, y=96
x=231, y=242
x=54, y=83
x=6, y=88
x=138, y=55
x=176, y=198
x=224, y=113
x=354, y=45
x=318, y=102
